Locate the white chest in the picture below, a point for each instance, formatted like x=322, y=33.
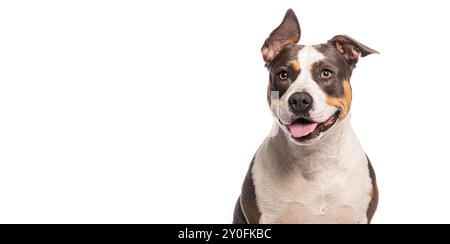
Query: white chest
x=329, y=192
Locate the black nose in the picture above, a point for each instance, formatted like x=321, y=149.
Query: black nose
x=300, y=102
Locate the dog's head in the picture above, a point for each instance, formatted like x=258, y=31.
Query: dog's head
x=309, y=86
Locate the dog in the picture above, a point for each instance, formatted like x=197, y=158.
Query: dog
x=312, y=168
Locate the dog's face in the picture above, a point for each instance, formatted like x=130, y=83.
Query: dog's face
x=309, y=86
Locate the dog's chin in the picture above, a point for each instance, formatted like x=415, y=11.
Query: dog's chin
x=306, y=132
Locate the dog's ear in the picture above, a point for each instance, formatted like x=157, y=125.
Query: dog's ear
x=350, y=48
x=288, y=32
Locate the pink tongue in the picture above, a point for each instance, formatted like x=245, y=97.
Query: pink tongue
x=300, y=130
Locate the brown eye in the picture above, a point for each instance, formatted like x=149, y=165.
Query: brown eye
x=283, y=75
x=326, y=74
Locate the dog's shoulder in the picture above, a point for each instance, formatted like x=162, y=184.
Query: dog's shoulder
x=374, y=193
x=246, y=210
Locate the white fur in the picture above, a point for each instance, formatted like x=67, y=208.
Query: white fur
x=327, y=182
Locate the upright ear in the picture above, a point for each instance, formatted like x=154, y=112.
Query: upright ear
x=288, y=32
x=350, y=48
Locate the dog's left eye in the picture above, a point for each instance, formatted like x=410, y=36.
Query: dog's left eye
x=326, y=74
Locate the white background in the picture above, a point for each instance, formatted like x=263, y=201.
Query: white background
x=150, y=112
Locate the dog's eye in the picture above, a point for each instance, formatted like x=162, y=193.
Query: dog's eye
x=283, y=75
x=326, y=74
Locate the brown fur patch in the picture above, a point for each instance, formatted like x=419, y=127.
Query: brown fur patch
x=269, y=89
x=295, y=65
x=314, y=65
x=343, y=102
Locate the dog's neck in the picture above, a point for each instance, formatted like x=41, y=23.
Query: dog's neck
x=338, y=143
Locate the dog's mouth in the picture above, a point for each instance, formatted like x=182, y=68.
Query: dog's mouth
x=304, y=129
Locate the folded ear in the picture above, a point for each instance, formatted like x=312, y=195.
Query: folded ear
x=350, y=48
x=288, y=32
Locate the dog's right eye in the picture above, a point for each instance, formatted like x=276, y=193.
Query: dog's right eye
x=283, y=75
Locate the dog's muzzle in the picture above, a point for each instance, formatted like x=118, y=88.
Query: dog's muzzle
x=303, y=128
